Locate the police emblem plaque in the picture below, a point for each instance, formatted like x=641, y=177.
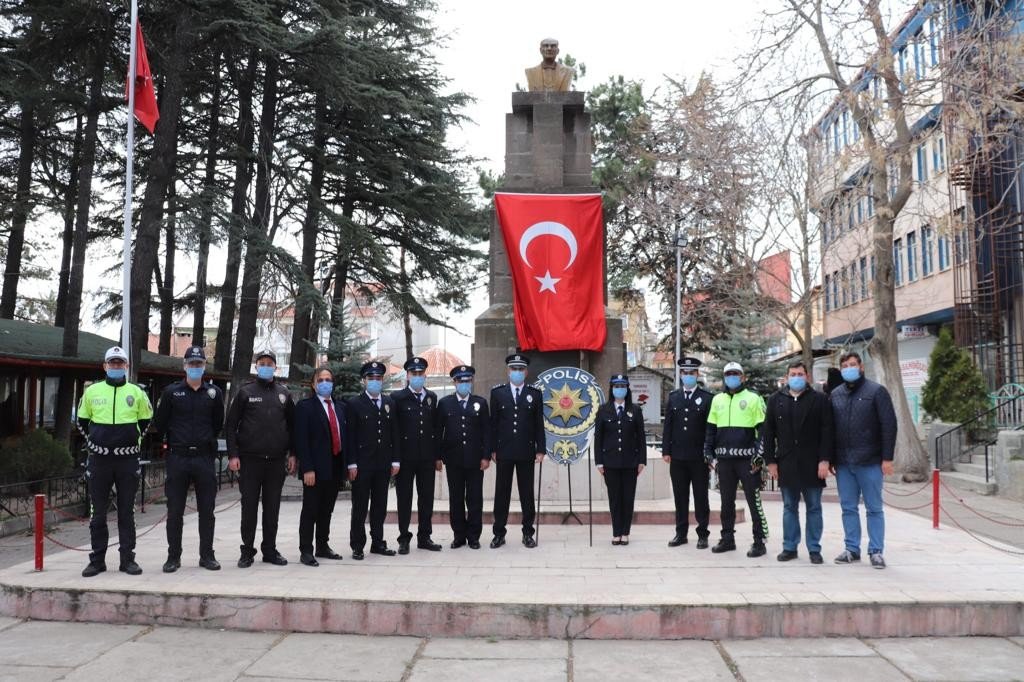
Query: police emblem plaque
x=571, y=398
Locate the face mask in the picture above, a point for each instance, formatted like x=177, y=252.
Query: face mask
x=733, y=382
x=324, y=388
x=417, y=383
x=689, y=380
x=517, y=376
x=619, y=392
x=116, y=374
x=265, y=372
x=850, y=374
x=194, y=373
x=463, y=388
x=797, y=383
x=374, y=386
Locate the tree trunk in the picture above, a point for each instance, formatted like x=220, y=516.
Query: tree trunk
x=243, y=176
x=67, y=239
x=161, y=172
x=166, y=291
x=807, y=314
x=72, y=317
x=206, y=216
x=304, y=306
x=256, y=248
x=406, y=313
x=340, y=282
x=20, y=210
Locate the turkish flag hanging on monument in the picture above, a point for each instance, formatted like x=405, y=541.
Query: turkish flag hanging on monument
x=146, y=109
x=555, y=253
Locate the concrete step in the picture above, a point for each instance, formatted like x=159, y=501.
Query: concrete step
x=968, y=482
x=976, y=469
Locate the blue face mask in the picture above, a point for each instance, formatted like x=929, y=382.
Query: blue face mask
x=417, y=383
x=374, y=386
x=265, y=372
x=733, y=382
x=689, y=380
x=797, y=383
x=850, y=374
x=194, y=373
x=463, y=388
x=116, y=374
x=619, y=392
x=325, y=388
x=517, y=376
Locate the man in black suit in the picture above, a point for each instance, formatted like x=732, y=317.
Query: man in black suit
x=463, y=435
x=320, y=440
x=518, y=442
x=686, y=418
x=372, y=460
x=415, y=407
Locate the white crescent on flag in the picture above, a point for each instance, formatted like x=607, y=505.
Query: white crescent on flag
x=550, y=228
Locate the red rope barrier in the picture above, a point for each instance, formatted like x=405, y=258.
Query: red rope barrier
x=971, y=509
x=979, y=539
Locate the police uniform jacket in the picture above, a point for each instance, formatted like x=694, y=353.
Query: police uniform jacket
x=463, y=435
x=260, y=420
x=517, y=429
x=113, y=415
x=190, y=419
x=685, y=424
x=619, y=442
x=372, y=433
x=415, y=420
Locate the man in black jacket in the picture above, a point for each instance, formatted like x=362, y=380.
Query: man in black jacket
x=463, y=437
x=258, y=430
x=189, y=416
x=373, y=460
x=865, y=424
x=682, y=447
x=797, y=434
x=518, y=443
x=415, y=408
x=320, y=444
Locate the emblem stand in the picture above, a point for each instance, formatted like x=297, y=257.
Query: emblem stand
x=570, y=514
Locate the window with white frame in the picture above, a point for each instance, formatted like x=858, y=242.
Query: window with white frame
x=943, y=250
x=828, y=292
x=897, y=261
x=939, y=153
x=911, y=256
x=927, y=244
x=922, y=163
x=863, y=277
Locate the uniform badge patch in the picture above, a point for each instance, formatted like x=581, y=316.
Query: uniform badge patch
x=743, y=404
x=476, y=407
x=529, y=398
x=282, y=397
x=212, y=392
x=698, y=401
x=429, y=403
x=130, y=400
x=387, y=408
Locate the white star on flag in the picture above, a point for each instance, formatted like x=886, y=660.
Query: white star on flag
x=547, y=282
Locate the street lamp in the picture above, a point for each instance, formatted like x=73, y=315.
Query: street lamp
x=679, y=244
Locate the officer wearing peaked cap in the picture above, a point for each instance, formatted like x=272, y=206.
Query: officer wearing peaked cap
x=517, y=430
x=620, y=453
x=374, y=459
x=685, y=427
x=462, y=429
x=415, y=407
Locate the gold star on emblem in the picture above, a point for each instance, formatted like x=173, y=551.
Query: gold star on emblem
x=565, y=403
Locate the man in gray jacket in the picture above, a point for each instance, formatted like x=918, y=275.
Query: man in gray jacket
x=865, y=438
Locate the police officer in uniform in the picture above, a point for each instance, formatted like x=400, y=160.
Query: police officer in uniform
x=415, y=408
x=682, y=447
x=112, y=415
x=259, y=435
x=373, y=460
x=463, y=437
x=620, y=453
x=189, y=416
x=517, y=432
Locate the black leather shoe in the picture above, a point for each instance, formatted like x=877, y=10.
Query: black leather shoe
x=724, y=546
x=171, y=565
x=497, y=542
x=382, y=549
x=702, y=543
x=474, y=544
x=677, y=540
x=275, y=559
x=327, y=553
x=816, y=558
x=245, y=561
x=429, y=545
x=357, y=554
x=529, y=541
x=94, y=568
x=458, y=542
x=403, y=547
x=757, y=549
x=787, y=555
x=209, y=563
x=307, y=559
x=130, y=567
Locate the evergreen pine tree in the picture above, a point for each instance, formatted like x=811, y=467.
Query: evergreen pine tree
x=744, y=343
x=955, y=391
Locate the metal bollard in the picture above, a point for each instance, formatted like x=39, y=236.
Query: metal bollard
x=935, y=499
x=40, y=521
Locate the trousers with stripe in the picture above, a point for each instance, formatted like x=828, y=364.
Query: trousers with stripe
x=731, y=473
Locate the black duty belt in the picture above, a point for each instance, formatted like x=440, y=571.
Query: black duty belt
x=190, y=450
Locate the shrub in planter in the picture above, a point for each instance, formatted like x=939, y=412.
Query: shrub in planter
x=33, y=456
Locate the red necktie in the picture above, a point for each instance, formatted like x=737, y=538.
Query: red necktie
x=335, y=432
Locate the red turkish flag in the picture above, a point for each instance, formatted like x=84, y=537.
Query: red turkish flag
x=146, y=109
x=555, y=245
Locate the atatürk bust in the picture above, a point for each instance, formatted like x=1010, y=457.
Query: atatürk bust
x=549, y=75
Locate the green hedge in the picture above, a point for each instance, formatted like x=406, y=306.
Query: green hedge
x=33, y=456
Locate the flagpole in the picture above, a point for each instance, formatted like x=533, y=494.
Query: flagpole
x=126, y=248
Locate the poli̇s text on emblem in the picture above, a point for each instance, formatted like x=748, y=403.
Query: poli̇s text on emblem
x=571, y=398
